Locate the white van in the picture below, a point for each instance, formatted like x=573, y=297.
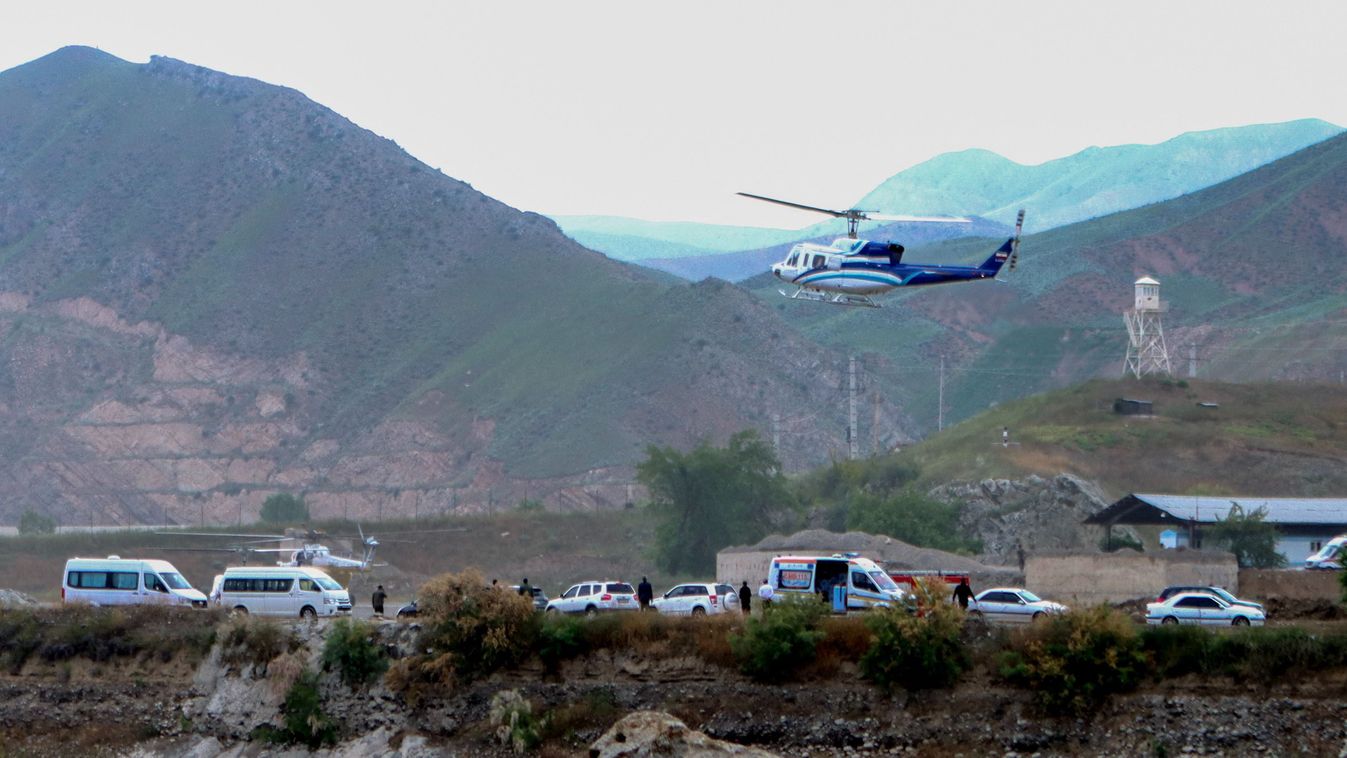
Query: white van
x=126, y=581
x=867, y=585
x=301, y=591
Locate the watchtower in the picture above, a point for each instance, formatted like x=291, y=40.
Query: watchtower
x=1146, y=350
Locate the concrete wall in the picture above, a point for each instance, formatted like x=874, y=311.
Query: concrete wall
x=1289, y=584
x=751, y=567
x=1090, y=578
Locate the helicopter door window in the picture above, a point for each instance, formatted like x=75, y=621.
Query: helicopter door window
x=819, y=261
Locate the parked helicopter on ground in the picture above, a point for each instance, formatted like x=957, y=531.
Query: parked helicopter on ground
x=850, y=270
x=311, y=551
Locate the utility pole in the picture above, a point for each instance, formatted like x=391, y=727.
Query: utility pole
x=1192, y=361
x=940, y=412
x=776, y=433
x=852, y=441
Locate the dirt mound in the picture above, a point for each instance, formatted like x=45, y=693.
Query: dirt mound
x=1299, y=609
x=654, y=733
x=15, y=599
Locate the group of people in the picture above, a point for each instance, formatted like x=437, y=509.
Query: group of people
x=645, y=594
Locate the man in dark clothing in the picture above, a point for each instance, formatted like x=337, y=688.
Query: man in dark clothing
x=745, y=598
x=379, y=597
x=645, y=593
x=963, y=593
x=525, y=589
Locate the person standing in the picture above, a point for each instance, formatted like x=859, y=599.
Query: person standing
x=1005, y=436
x=645, y=593
x=963, y=593
x=766, y=594
x=525, y=589
x=378, y=601
x=745, y=599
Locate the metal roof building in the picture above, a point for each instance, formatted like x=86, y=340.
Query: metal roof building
x=1303, y=523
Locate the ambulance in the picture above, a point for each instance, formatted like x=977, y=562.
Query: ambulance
x=864, y=584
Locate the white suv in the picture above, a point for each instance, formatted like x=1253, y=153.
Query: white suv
x=594, y=596
x=697, y=600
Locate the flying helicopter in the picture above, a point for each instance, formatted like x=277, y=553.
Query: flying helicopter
x=851, y=270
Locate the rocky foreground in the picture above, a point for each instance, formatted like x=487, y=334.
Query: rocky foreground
x=149, y=708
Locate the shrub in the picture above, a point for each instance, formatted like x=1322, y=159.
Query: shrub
x=560, y=639
x=1075, y=661
x=247, y=640
x=775, y=645
x=32, y=522
x=917, y=652
x=471, y=629
x=1115, y=542
x=284, y=508
x=512, y=716
x=350, y=648
x=303, y=716
x=1176, y=650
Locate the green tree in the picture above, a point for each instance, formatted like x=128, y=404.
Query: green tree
x=1248, y=536
x=32, y=522
x=911, y=517
x=284, y=508
x=712, y=497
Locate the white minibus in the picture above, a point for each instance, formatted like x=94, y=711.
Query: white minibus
x=301, y=591
x=126, y=581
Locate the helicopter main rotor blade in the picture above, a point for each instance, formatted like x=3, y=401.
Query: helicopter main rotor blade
x=923, y=219
x=837, y=214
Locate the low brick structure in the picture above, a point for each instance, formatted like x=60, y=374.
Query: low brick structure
x=1089, y=578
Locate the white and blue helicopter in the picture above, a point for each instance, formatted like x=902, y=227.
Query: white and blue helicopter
x=851, y=270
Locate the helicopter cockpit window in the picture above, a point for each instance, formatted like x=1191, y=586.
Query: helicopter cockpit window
x=792, y=260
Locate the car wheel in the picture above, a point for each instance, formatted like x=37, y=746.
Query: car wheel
x=1169, y=620
x=551, y=610
x=1039, y=615
x=1240, y=621
x=239, y=611
x=591, y=611
x=699, y=611
x=308, y=613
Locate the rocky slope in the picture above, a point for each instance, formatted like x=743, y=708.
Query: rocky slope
x=213, y=710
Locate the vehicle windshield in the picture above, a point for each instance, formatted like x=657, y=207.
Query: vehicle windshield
x=621, y=588
x=175, y=581
x=1226, y=596
x=883, y=581
x=326, y=583
x=1030, y=597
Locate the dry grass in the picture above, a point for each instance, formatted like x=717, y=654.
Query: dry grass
x=102, y=634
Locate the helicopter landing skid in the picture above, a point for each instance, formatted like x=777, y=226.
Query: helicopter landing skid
x=835, y=298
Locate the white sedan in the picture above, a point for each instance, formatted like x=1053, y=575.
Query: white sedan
x=1202, y=608
x=1013, y=605
x=700, y=599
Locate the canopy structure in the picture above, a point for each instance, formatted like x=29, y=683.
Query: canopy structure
x=1291, y=515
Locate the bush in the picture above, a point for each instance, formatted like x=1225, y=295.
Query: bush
x=303, y=716
x=284, y=508
x=1114, y=543
x=468, y=630
x=512, y=716
x=350, y=648
x=560, y=639
x=32, y=522
x=1075, y=661
x=917, y=652
x=775, y=645
x=247, y=640
x=911, y=517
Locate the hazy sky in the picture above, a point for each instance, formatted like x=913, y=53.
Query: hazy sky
x=663, y=110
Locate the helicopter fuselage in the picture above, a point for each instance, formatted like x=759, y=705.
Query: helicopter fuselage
x=861, y=267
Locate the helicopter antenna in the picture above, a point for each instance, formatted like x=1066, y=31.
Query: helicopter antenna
x=855, y=216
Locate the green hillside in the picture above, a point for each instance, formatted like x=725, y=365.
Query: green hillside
x=269, y=229
x=1093, y=182
x=1251, y=270
x=1268, y=439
